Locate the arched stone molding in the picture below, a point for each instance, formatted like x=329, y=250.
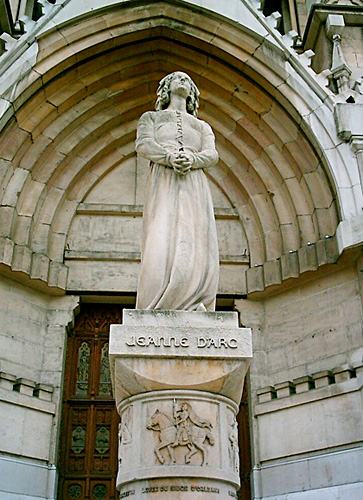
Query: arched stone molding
x=75, y=119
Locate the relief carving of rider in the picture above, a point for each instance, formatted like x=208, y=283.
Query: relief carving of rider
x=185, y=416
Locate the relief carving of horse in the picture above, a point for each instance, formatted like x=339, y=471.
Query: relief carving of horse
x=195, y=440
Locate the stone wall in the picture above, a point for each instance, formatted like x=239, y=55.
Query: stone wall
x=32, y=345
x=306, y=386
x=316, y=326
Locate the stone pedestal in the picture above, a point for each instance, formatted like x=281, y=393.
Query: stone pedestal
x=177, y=378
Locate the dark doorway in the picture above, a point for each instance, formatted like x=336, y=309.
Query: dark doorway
x=88, y=447
x=244, y=443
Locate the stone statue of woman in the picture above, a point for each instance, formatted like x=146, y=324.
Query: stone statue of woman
x=180, y=263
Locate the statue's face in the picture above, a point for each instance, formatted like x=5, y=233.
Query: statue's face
x=180, y=85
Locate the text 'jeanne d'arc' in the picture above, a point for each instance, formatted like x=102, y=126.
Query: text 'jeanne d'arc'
x=201, y=342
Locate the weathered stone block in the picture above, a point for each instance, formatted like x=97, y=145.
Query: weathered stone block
x=332, y=250
x=349, y=119
x=12, y=140
x=14, y=187
x=272, y=273
x=321, y=252
x=6, y=220
x=303, y=384
x=307, y=227
x=285, y=389
x=255, y=279
x=307, y=258
x=6, y=169
x=22, y=227
x=58, y=273
x=342, y=373
x=57, y=246
x=40, y=237
x=29, y=198
x=43, y=391
x=266, y=394
x=22, y=258
x=6, y=250
x=40, y=267
x=323, y=378
x=7, y=381
x=290, y=265
x=24, y=386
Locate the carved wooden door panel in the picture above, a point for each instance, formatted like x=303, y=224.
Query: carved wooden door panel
x=88, y=446
x=244, y=442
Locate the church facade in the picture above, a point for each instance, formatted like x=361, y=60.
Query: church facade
x=281, y=86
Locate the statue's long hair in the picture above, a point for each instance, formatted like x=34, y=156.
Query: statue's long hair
x=163, y=94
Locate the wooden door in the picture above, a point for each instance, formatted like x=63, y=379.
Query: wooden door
x=244, y=443
x=88, y=447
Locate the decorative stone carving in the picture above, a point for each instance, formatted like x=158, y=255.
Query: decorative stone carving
x=185, y=371
x=185, y=429
x=124, y=433
x=180, y=260
x=340, y=70
x=233, y=449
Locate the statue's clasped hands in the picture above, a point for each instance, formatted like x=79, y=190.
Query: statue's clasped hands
x=181, y=162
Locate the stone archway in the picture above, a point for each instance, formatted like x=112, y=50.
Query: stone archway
x=77, y=126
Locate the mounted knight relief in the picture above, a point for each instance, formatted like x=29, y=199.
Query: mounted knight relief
x=184, y=429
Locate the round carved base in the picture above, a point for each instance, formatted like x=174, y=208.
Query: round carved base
x=178, y=445
x=178, y=489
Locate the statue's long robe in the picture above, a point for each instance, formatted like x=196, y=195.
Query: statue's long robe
x=180, y=261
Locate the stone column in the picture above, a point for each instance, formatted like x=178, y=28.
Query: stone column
x=177, y=378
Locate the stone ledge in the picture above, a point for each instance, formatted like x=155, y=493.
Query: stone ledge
x=28, y=402
x=136, y=256
x=306, y=389
x=137, y=210
x=310, y=382
x=292, y=265
x=24, y=387
x=49, y=273
x=31, y=266
x=39, y=268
